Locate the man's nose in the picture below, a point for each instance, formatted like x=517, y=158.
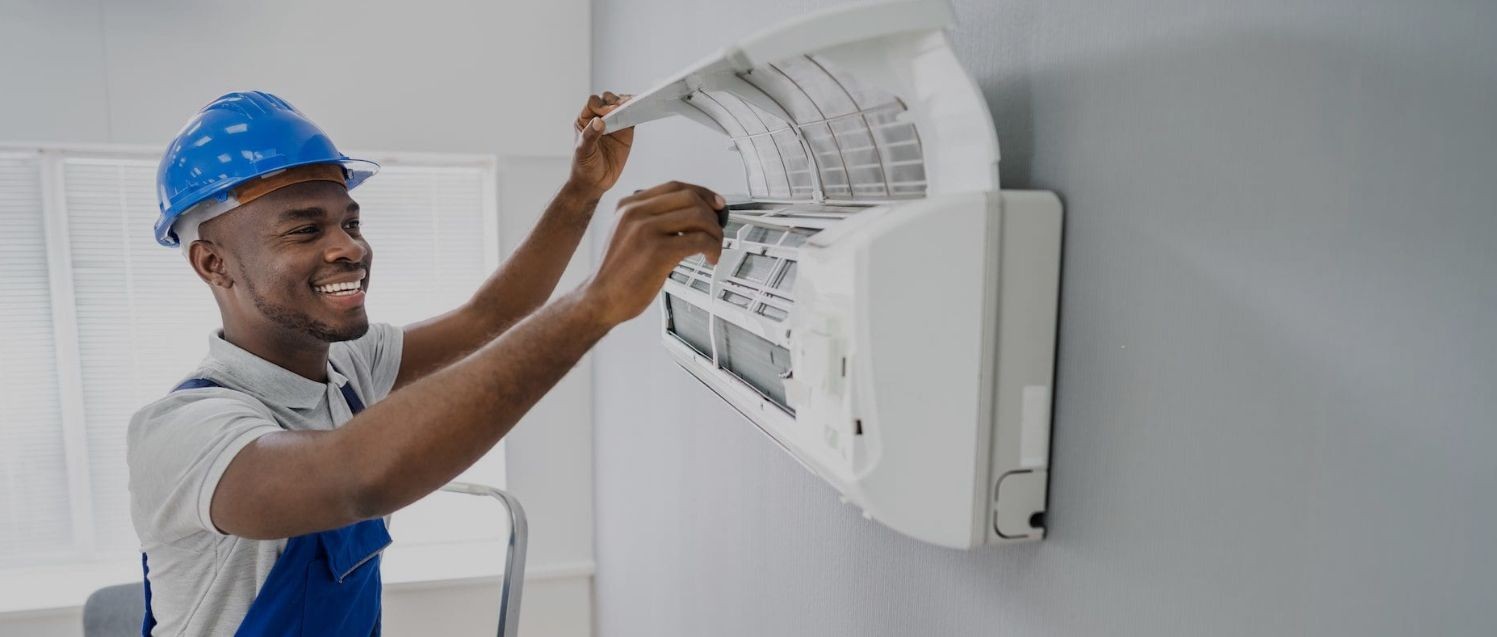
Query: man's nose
x=345, y=247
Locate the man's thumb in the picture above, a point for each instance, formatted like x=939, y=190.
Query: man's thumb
x=590, y=134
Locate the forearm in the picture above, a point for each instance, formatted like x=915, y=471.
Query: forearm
x=529, y=276
x=423, y=436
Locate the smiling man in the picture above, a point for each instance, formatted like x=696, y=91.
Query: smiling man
x=259, y=484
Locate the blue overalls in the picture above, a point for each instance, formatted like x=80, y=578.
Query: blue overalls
x=324, y=583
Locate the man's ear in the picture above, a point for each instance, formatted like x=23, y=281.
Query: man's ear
x=207, y=260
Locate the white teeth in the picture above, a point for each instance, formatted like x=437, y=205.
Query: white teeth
x=338, y=289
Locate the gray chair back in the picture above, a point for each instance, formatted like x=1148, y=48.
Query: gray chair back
x=114, y=611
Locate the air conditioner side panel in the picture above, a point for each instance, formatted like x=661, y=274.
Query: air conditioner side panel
x=1029, y=280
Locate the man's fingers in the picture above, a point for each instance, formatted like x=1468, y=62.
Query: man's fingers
x=712, y=199
x=606, y=103
x=698, y=243
x=589, y=111
x=599, y=105
x=667, y=202
x=686, y=221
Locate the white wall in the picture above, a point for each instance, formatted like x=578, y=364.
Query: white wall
x=1275, y=409
x=505, y=78
x=449, y=75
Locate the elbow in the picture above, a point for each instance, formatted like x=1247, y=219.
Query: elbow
x=364, y=504
x=372, y=489
x=369, y=497
x=366, y=475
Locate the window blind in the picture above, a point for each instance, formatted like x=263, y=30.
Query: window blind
x=35, y=518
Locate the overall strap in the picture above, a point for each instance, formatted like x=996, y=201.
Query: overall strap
x=355, y=405
x=196, y=383
x=148, y=623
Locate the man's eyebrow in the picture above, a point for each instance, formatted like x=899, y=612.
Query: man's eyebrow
x=307, y=214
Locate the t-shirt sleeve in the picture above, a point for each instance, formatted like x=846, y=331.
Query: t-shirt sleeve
x=177, y=449
x=378, y=351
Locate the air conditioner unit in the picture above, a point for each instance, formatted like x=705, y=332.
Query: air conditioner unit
x=882, y=310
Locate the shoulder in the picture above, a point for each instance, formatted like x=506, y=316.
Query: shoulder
x=177, y=448
x=194, y=412
x=188, y=403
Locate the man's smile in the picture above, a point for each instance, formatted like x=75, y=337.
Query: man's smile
x=344, y=291
x=341, y=285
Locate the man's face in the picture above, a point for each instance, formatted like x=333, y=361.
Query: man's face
x=299, y=259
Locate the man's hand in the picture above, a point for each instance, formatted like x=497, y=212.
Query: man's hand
x=599, y=158
x=657, y=228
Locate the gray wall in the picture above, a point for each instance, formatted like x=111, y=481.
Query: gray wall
x=1278, y=348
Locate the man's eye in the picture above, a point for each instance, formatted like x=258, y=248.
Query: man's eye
x=354, y=224
x=305, y=230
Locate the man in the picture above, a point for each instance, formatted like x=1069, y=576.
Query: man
x=259, y=485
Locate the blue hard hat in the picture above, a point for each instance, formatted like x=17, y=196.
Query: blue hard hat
x=236, y=138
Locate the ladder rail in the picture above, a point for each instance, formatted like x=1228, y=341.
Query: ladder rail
x=514, y=562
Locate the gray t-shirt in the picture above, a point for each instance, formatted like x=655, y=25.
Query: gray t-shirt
x=203, y=581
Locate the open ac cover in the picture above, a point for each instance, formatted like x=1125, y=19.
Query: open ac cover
x=882, y=310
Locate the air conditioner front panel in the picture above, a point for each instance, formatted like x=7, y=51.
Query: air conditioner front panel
x=920, y=323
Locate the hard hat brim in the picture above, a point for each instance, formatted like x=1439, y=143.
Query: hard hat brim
x=356, y=171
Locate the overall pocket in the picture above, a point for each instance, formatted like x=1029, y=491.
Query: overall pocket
x=343, y=581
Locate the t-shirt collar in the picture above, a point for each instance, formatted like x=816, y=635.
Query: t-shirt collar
x=273, y=383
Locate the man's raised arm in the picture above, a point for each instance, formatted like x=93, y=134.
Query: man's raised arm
x=287, y=483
